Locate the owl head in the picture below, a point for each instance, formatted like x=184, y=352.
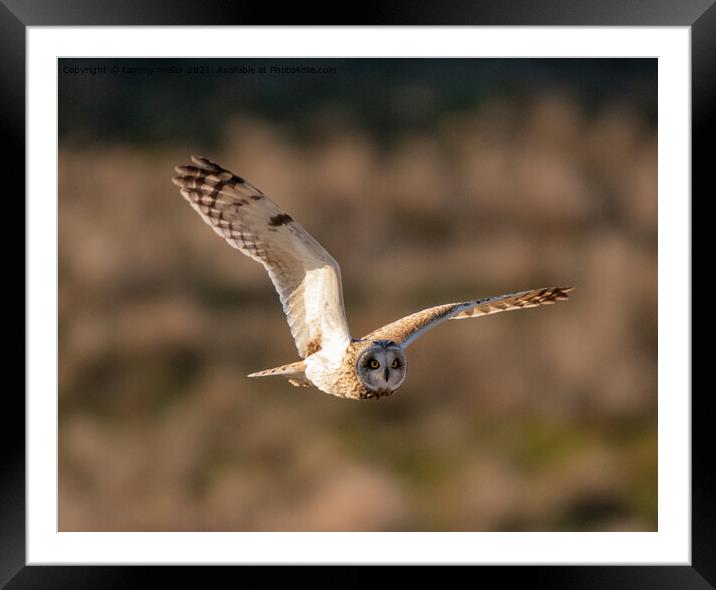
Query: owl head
x=381, y=367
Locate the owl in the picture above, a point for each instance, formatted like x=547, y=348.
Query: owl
x=308, y=282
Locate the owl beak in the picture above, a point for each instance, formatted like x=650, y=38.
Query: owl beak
x=386, y=373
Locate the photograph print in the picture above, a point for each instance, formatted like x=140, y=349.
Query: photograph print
x=291, y=367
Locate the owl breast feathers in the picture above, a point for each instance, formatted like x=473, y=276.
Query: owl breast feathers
x=308, y=282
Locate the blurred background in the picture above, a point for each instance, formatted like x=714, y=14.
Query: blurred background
x=429, y=181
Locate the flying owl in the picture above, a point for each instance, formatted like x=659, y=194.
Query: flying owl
x=308, y=282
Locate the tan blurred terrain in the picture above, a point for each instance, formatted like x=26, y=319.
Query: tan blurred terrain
x=543, y=419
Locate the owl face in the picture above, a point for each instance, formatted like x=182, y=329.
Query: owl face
x=381, y=367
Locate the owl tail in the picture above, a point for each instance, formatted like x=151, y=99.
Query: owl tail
x=292, y=370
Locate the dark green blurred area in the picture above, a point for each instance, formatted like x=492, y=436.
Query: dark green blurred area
x=383, y=96
x=429, y=181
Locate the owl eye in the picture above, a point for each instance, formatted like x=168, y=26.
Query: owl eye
x=395, y=364
x=374, y=364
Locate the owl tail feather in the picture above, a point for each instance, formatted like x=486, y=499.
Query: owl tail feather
x=290, y=370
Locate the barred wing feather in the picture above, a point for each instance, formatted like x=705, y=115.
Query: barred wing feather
x=306, y=277
x=405, y=330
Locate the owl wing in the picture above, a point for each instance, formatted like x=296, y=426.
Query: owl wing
x=407, y=329
x=306, y=277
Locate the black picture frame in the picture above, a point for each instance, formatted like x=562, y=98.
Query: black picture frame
x=700, y=15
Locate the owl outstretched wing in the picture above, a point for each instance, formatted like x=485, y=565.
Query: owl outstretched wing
x=306, y=277
x=407, y=329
